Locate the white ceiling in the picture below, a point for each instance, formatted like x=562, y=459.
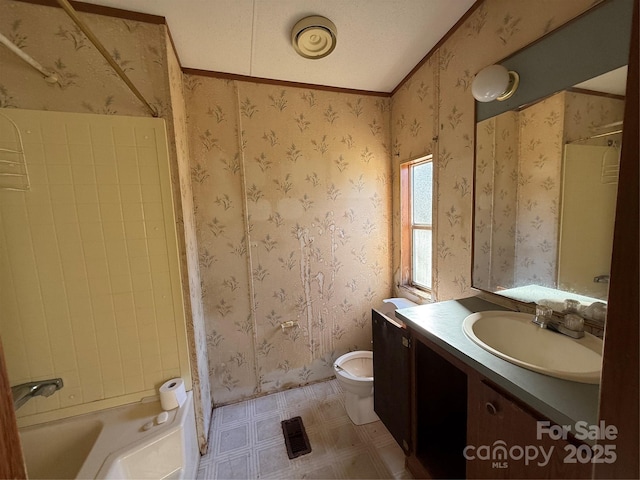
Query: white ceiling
x=379, y=41
x=614, y=82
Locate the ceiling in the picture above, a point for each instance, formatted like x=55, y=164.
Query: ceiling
x=613, y=82
x=378, y=41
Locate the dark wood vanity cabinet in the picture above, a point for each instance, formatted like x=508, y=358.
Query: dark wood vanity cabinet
x=457, y=420
x=507, y=431
x=392, y=376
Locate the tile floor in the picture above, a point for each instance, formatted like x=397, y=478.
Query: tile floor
x=246, y=440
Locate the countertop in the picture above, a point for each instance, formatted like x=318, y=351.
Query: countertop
x=562, y=401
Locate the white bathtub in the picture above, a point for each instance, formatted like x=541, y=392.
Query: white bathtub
x=113, y=444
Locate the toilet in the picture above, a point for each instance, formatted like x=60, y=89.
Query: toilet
x=354, y=371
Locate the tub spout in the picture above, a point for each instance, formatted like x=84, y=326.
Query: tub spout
x=23, y=392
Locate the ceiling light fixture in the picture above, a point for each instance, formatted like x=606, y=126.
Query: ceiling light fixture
x=494, y=82
x=314, y=37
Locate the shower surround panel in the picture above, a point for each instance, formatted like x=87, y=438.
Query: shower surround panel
x=90, y=289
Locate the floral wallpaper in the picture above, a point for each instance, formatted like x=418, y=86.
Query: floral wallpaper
x=519, y=171
x=293, y=202
x=584, y=114
x=87, y=83
x=196, y=334
x=414, y=132
x=539, y=183
x=434, y=113
x=496, y=201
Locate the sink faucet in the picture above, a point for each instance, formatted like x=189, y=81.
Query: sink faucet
x=23, y=392
x=543, y=316
x=572, y=325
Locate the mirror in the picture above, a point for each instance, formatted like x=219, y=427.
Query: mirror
x=547, y=162
x=546, y=187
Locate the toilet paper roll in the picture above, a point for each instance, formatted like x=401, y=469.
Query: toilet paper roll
x=172, y=394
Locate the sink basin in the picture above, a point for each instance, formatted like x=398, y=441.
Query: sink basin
x=513, y=337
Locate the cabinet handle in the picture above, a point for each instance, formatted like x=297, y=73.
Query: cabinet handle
x=491, y=408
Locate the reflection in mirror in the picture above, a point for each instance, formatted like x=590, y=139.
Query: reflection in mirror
x=546, y=185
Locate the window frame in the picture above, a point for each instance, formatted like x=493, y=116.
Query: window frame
x=407, y=226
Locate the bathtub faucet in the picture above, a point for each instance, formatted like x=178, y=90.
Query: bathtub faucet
x=23, y=392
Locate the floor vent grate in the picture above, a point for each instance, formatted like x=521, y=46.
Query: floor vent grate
x=295, y=437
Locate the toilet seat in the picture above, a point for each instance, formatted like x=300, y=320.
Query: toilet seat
x=357, y=366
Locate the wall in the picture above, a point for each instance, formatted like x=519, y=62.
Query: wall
x=584, y=113
x=292, y=193
x=188, y=249
x=496, y=203
x=493, y=31
x=414, y=120
x=87, y=84
x=539, y=182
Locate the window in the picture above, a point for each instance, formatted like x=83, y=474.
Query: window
x=416, y=189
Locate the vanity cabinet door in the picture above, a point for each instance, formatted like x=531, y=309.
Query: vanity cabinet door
x=496, y=420
x=391, y=377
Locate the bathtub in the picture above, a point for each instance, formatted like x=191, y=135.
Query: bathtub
x=125, y=442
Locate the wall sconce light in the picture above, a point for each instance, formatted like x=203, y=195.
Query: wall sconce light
x=494, y=82
x=314, y=37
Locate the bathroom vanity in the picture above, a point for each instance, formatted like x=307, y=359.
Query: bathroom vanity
x=460, y=412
